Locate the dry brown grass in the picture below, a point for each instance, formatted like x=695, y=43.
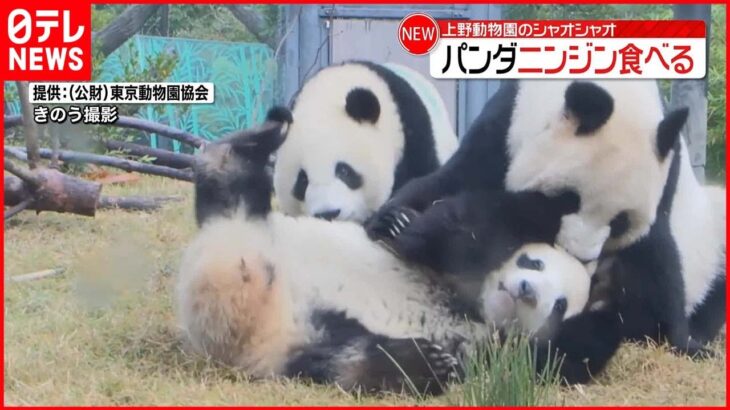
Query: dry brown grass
x=104, y=332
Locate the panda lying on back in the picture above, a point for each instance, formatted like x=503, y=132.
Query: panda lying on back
x=361, y=130
x=280, y=295
x=659, y=234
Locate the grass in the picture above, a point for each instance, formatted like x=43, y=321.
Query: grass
x=503, y=374
x=103, y=333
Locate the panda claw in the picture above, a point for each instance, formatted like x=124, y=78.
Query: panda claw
x=392, y=233
x=408, y=220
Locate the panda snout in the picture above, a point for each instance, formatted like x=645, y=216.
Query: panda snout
x=526, y=293
x=328, y=215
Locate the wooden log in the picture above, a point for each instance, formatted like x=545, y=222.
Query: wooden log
x=140, y=124
x=161, y=129
x=15, y=190
x=161, y=156
x=135, y=203
x=17, y=193
x=54, y=191
x=11, y=121
x=125, y=164
x=30, y=128
x=26, y=175
x=14, y=210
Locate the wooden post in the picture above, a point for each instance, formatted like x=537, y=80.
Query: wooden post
x=693, y=94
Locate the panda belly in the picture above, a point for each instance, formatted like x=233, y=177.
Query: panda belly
x=333, y=266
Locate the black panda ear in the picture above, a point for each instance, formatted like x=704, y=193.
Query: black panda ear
x=256, y=144
x=280, y=114
x=668, y=130
x=362, y=105
x=591, y=105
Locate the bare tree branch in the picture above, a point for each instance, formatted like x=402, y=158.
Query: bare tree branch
x=135, y=123
x=127, y=165
x=123, y=27
x=30, y=128
x=50, y=190
x=253, y=20
x=161, y=156
x=26, y=175
x=24, y=204
x=135, y=203
x=11, y=121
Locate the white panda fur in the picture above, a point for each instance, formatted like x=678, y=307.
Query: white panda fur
x=282, y=295
x=407, y=135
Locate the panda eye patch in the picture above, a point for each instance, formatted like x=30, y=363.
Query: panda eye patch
x=349, y=176
x=619, y=224
x=524, y=262
x=560, y=306
x=300, y=186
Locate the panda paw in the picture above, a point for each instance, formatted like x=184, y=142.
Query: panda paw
x=432, y=364
x=391, y=223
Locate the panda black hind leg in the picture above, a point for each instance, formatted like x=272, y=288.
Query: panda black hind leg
x=355, y=358
x=705, y=322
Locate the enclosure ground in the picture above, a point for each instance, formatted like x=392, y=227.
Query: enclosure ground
x=104, y=332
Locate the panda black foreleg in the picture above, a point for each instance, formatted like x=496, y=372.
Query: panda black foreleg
x=355, y=358
x=442, y=238
x=583, y=344
x=649, y=289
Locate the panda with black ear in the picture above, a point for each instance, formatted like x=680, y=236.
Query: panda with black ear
x=278, y=295
x=360, y=131
x=610, y=143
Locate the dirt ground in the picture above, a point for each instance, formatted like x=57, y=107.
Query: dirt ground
x=103, y=332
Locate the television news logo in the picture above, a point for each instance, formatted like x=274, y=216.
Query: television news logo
x=49, y=40
x=464, y=49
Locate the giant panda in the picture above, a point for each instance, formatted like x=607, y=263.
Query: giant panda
x=360, y=131
x=278, y=295
x=642, y=213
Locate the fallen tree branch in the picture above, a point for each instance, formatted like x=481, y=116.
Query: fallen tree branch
x=140, y=124
x=19, y=198
x=14, y=210
x=11, y=121
x=37, y=275
x=136, y=203
x=135, y=123
x=15, y=190
x=51, y=190
x=161, y=156
x=127, y=165
x=28, y=176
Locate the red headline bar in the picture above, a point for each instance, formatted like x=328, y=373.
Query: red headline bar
x=572, y=28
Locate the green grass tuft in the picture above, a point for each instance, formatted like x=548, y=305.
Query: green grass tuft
x=503, y=373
